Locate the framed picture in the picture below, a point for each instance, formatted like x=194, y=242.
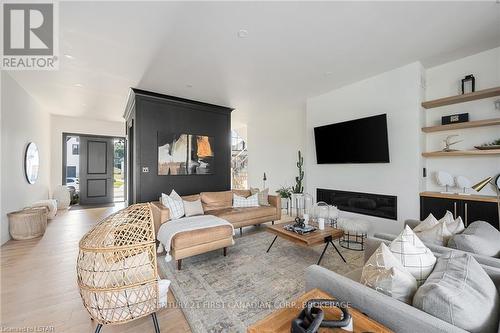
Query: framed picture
x=185, y=154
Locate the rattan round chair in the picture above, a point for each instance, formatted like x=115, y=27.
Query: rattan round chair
x=116, y=267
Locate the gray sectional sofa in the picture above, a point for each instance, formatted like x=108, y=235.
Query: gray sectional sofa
x=396, y=315
x=482, y=259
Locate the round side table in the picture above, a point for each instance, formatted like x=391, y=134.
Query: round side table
x=28, y=223
x=355, y=232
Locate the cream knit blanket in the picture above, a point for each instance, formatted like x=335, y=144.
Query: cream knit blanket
x=171, y=228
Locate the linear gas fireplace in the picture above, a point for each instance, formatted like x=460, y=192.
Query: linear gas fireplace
x=362, y=203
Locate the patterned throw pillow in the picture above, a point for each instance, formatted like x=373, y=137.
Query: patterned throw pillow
x=174, y=203
x=263, y=196
x=241, y=202
x=438, y=235
x=413, y=254
x=384, y=273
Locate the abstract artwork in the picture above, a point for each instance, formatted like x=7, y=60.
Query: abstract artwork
x=185, y=154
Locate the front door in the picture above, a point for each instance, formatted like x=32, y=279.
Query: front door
x=96, y=170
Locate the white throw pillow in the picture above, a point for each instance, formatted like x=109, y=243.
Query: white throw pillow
x=251, y=201
x=437, y=235
x=428, y=223
x=413, y=254
x=457, y=226
x=384, y=273
x=192, y=208
x=448, y=217
x=174, y=203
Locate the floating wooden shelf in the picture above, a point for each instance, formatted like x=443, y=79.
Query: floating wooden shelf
x=469, y=124
x=462, y=153
x=471, y=197
x=485, y=93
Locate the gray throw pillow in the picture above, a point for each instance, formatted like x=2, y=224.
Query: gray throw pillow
x=263, y=196
x=192, y=208
x=480, y=238
x=461, y=293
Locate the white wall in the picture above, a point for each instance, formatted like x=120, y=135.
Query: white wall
x=274, y=139
x=23, y=121
x=398, y=94
x=444, y=80
x=63, y=124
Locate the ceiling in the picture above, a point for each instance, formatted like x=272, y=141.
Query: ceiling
x=293, y=50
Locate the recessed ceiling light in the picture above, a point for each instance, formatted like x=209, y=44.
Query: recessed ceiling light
x=243, y=33
x=189, y=85
x=79, y=85
x=69, y=56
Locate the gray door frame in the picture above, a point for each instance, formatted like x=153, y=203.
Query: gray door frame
x=64, y=155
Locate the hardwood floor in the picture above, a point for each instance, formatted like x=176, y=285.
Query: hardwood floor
x=39, y=288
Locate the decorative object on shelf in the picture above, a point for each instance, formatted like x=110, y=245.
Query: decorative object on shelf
x=488, y=146
x=496, y=184
x=468, y=84
x=455, y=118
x=355, y=233
x=31, y=163
x=463, y=183
x=28, y=223
x=298, y=180
x=497, y=104
x=117, y=269
x=443, y=178
x=264, y=179
x=448, y=143
x=312, y=317
x=62, y=196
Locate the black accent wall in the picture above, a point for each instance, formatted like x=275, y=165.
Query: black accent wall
x=148, y=113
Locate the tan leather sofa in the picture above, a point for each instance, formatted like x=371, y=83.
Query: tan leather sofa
x=190, y=243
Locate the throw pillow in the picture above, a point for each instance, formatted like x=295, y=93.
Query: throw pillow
x=192, y=208
x=428, y=223
x=480, y=237
x=413, y=254
x=448, y=217
x=174, y=203
x=457, y=226
x=263, y=196
x=384, y=273
x=461, y=293
x=437, y=235
x=251, y=201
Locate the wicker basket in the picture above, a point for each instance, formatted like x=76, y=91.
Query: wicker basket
x=28, y=223
x=116, y=267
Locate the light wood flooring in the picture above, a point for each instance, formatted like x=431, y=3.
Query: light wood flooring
x=39, y=287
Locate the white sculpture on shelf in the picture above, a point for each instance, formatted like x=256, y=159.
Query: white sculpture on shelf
x=443, y=178
x=463, y=183
x=62, y=196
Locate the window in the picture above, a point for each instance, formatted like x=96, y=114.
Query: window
x=75, y=149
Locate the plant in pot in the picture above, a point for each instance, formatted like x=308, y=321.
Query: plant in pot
x=285, y=193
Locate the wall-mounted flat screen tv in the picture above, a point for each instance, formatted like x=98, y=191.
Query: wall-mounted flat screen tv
x=361, y=140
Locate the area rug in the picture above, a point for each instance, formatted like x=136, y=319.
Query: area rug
x=228, y=294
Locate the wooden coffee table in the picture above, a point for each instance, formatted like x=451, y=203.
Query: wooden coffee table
x=314, y=238
x=280, y=321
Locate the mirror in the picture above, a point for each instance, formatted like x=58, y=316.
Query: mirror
x=31, y=163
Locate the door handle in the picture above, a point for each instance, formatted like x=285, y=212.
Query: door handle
x=466, y=214
x=455, y=208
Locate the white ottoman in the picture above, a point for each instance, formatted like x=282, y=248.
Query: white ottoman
x=355, y=232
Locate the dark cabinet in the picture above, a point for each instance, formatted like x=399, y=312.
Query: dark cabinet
x=469, y=210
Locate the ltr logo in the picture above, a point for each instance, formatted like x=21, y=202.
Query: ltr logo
x=28, y=29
